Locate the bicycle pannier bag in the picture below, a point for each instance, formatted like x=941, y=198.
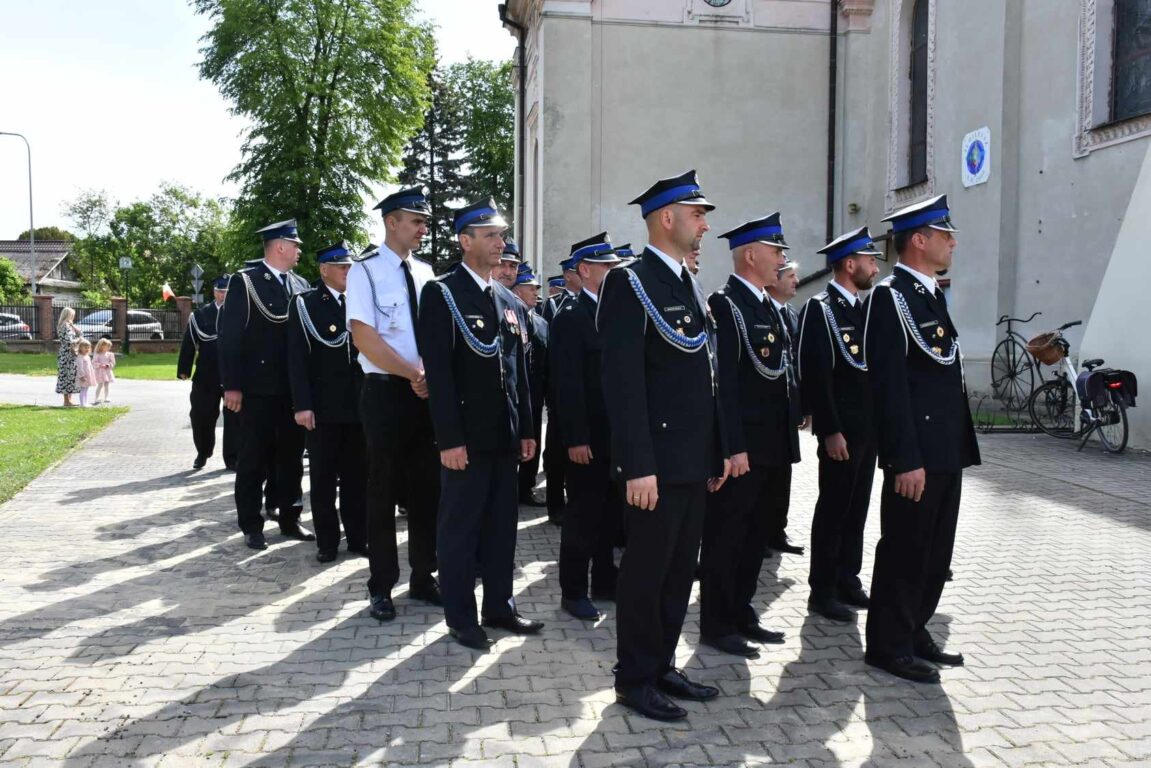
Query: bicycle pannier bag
x=1093, y=386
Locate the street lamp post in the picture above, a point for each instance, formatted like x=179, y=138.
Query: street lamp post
x=125, y=265
x=31, y=225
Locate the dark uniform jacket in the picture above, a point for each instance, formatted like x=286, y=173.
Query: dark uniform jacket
x=253, y=330
x=552, y=306
x=323, y=379
x=199, y=346
x=479, y=402
x=664, y=409
x=922, y=415
x=537, y=354
x=836, y=392
x=575, y=368
x=757, y=409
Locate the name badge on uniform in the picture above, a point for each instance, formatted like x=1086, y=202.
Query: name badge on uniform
x=677, y=308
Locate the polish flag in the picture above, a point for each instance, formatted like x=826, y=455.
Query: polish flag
x=167, y=291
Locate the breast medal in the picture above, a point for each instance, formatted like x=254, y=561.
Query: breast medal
x=939, y=331
x=332, y=328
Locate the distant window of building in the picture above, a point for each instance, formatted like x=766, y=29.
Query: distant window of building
x=1131, y=84
x=917, y=147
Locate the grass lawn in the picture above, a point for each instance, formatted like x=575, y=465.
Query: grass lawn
x=32, y=438
x=161, y=365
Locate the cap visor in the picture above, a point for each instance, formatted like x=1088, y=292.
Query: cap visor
x=495, y=221
x=942, y=228
x=700, y=201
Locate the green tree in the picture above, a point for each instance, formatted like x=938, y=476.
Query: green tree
x=433, y=159
x=487, y=113
x=11, y=284
x=89, y=212
x=332, y=89
x=48, y=233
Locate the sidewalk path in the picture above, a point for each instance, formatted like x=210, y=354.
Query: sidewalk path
x=135, y=629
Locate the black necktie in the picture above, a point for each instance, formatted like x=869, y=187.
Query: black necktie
x=343, y=303
x=685, y=276
x=413, y=307
x=284, y=282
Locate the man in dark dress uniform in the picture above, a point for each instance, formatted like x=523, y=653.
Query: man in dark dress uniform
x=473, y=351
x=666, y=441
x=527, y=289
x=779, y=503
x=199, y=349
x=554, y=458
x=383, y=304
x=926, y=440
x=326, y=379
x=254, y=374
x=837, y=394
x=754, y=368
x=592, y=518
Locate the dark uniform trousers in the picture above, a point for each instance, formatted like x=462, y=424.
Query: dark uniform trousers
x=655, y=577
x=590, y=529
x=487, y=485
x=923, y=420
x=911, y=561
x=337, y=460
x=271, y=447
x=840, y=517
x=734, y=536
x=529, y=470
x=204, y=415
x=678, y=437
x=555, y=466
x=403, y=463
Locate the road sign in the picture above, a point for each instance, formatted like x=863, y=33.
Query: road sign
x=196, y=271
x=125, y=262
x=196, y=283
x=197, y=298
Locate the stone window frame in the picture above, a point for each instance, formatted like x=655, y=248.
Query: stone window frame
x=1094, y=128
x=900, y=194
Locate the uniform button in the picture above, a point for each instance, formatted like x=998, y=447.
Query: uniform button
x=927, y=417
x=664, y=425
x=619, y=469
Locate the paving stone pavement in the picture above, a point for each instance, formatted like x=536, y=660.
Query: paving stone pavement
x=135, y=629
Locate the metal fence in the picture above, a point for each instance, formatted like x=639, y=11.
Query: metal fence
x=92, y=320
x=169, y=320
x=20, y=320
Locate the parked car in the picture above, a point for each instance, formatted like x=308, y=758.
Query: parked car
x=12, y=327
x=141, y=325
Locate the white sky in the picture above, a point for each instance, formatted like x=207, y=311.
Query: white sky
x=109, y=97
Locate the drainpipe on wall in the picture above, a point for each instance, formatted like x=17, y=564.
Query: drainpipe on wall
x=521, y=148
x=832, y=95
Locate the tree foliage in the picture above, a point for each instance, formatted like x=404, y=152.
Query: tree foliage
x=163, y=235
x=333, y=90
x=48, y=233
x=11, y=284
x=433, y=159
x=484, y=89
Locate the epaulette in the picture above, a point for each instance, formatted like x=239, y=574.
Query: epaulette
x=887, y=280
x=822, y=296
x=250, y=269
x=368, y=255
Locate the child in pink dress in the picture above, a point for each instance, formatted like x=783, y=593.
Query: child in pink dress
x=103, y=361
x=85, y=372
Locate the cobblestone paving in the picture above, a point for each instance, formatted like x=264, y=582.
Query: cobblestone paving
x=135, y=628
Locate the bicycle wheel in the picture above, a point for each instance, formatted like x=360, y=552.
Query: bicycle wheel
x=1113, y=429
x=1052, y=408
x=1012, y=373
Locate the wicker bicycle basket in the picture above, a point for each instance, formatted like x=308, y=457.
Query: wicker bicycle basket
x=1044, y=349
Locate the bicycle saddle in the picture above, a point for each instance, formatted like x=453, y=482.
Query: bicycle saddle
x=1093, y=363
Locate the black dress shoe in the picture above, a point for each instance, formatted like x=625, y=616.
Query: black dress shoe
x=555, y=518
x=472, y=637
x=230, y=464
x=382, y=608
x=199, y=462
x=358, y=551
x=675, y=683
x=732, y=644
x=783, y=545
x=293, y=530
x=326, y=555
x=581, y=608
x=761, y=635
x=907, y=667
x=272, y=514
x=255, y=540
x=830, y=608
x=855, y=596
x=928, y=650
x=647, y=701
x=514, y=623
x=429, y=593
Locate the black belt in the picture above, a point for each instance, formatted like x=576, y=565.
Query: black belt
x=382, y=376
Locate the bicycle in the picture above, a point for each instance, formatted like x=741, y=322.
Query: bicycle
x=1012, y=366
x=1052, y=406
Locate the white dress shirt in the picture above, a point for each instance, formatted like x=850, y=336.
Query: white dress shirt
x=928, y=281
x=851, y=297
x=389, y=313
x=676, y=267
x=754, y=290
